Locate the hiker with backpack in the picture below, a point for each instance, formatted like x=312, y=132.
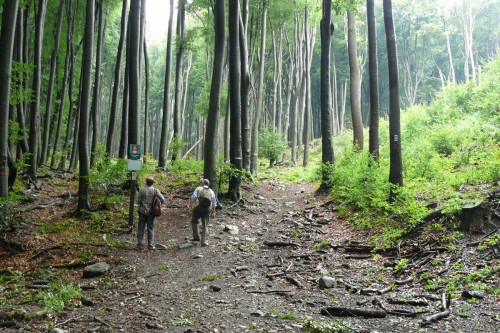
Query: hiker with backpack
x=205, y=201
x=147, y=215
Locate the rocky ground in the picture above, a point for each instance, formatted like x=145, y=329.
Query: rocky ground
x=279, y=258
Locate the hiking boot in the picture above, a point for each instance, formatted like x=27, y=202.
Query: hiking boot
x=139, y=246
x=204, y=244
x=151, y=247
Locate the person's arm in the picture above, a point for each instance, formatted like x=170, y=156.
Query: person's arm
x=192, y=200
x=160, y=196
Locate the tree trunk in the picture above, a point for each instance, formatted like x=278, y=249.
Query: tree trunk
x=133, y=63
x=146, y=100
x=226, y=132
x=94, y=111
x=355, y=82
x=210, y=149
x=181, y=14
x=122, y=148
x=162, y=159
x=53, y=70
x=71, y=111
x=235, y=157
x=117, y=79
x=396, y=162
x=37, y=82
x=245, y=83
x=83, y=137
x=327, y=156
x=64, y=87
x=254, y=149
x=373, y=76
x=9, y=16
x=307, y=97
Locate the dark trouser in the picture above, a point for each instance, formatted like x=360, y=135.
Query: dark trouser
x=203, y=213
x=148, y=220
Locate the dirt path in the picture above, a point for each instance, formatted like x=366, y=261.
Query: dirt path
x=241, y=284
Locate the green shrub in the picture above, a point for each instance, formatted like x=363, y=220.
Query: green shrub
x=271, y=144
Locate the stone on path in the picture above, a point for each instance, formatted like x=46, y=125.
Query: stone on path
x=97, y=269
x=327, y=282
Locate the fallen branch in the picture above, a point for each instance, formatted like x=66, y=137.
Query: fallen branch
x=294, y=281
x=413, y=302
x=272, y=291
x=278, y=243
x=193, y=147
x=397, y=312
x=352, y=312
x=446, y=302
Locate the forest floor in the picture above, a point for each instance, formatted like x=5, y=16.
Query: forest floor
x=259, y=273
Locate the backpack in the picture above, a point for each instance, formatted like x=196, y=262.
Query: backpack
x=156, y=206
x=205, y=197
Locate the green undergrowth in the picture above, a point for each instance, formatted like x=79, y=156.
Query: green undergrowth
x=451, y=157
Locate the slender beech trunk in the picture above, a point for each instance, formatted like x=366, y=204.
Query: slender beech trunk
x=122, y=148
x=146, y=99
x=254, y=148
x=133, y=63
x=355, y=82
x=62, y=101
x=181, y=14
x=162, y=159
x=327, y=156
x=37, y=82
x=307, y=97
x=373, y=76
x=20, y=36
x=83, y=137
x=94, y=111
x=71, y=111
x=210, y=149
x=53, y=70
x=117, y=79
x=7, y=35
x=235, y=158
x=396, y=161
x=245, y=86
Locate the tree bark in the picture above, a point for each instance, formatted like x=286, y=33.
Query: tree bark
x=396, y=162
x=181, y=14
x=7, y=35
x=134, y=73
x=162, y=159
x=94, y=111
x=146, y=99
x=117, y=80
x=210, y=149
x=373, y=76
x=83, y=137
x=245, y=85
x=307, y=97
x=327, y=155
x=355, y=82
x=37, y=82
x=53, y=70
x=254, y=148
x=122, y=148
x=235, y=157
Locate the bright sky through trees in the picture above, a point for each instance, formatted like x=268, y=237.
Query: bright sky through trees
x=157, y=19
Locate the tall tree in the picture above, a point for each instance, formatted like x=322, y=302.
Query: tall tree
x=235, y=154
x=181, y=15
x=245, y=87
x=373, y=77
x=96, y=96
x=254, y=151
x=37, y=83
x=7, y=35
x=327, y=155
x=307, y=97
x=396, y=161
x=355, y=81
x=134, y=72
x=53, y=70
x=209, y=168
x=117, y=79
x=62, y=101
x=162, y=159
x=83, y=137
